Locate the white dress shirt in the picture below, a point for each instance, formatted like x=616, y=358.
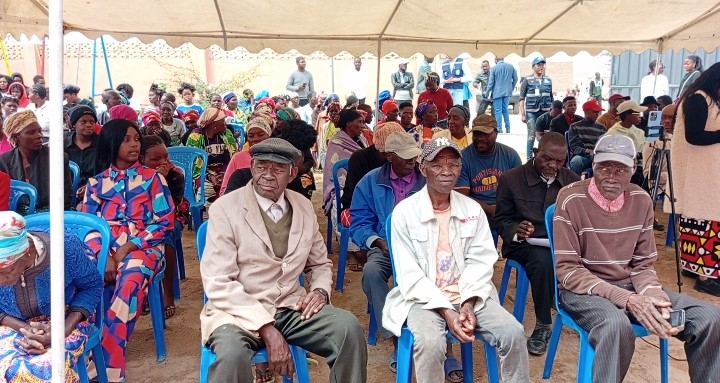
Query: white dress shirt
x=274, y=210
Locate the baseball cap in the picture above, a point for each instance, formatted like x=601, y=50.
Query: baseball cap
x=484, y=123
x=538, y=60
x=630, y=105
x=592, y=105
x=275, y=150
x=649, y=100
x=435, y=146
x=616, y=148
x=403, y=61
x=617, y=96
x=403, y=145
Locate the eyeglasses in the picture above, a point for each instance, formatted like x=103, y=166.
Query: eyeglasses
x=273, y=167
x=607, y=171
x=449, y=164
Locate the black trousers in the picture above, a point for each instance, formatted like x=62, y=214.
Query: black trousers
x=539, y=267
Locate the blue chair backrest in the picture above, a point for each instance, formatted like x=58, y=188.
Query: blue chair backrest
x=388, y=230
x=549, y=214
x=185, y=157
x=339, y=165
x=81, y=224
x=18, y=189
x=200, y=243
x=75, y=170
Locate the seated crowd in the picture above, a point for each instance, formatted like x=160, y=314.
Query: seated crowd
x=454, y=194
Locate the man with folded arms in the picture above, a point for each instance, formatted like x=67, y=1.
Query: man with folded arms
x=605, y=252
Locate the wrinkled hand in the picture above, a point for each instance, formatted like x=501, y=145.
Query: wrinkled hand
x=452, y=318
x=382, y=245
x=467, y=319
x=36, y=339
x=525, y=230
x=279, y=357
x=310, y=304
x=653, y=314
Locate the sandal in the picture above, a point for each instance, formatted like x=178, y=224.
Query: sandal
x=169, y=311
x=145, y=308
x=393, y=362
x=354, y=263
x=453, y=371
x=264, y=376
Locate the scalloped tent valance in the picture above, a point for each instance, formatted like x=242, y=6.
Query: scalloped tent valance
x=405, y=27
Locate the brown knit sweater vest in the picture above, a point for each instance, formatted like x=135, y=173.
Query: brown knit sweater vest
x=279, y=232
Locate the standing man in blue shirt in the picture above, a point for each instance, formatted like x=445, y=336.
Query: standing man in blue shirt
x=536, y=98
x=483, y=163
x=501, y=84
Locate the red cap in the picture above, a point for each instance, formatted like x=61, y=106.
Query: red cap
x=617, y=96
x=592, y=105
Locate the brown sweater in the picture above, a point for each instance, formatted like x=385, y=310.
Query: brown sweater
x=605, y=254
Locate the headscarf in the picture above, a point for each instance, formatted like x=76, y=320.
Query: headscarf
x=13, y=238
x=287, y=114
x=336, y=108
x=191, y=115
x=227, y=96
x=123, y=112
x=347, y=115
x=124, y=100
x=388, y=106
x=262, y=94
x=263, y=109
x=23, y=101
x=332, y=97
x=80, y=110
x=209, y=116
x=16, y=123
x=383, y=131
x=260, y=123
x=266, y=100
x=464, y=111
x=422, y=109
x=383, y=96
x=434, y=77
x=150, y=116
x=362, y=113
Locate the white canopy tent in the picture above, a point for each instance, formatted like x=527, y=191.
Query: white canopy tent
x=404, y=27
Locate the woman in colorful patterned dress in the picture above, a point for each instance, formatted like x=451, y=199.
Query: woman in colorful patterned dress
x=24, y=317
x=137, y=204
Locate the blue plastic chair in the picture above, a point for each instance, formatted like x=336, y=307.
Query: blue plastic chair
x=406, y=341
x=19, y=189
x=186, y=157
x=522, y=285
x=587, y=353
x=207, y=357
x=81, y=224
x=344, y=231
x=75, y=172
x=179, y=272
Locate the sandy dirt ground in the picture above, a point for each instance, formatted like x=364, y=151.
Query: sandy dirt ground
x=183, y=333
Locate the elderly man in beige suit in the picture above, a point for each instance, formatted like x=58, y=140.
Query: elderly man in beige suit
x=259, y=239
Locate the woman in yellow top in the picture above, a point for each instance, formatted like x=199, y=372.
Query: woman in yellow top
x=457, y=127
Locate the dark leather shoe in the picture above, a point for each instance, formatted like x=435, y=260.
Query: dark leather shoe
x=538, y=342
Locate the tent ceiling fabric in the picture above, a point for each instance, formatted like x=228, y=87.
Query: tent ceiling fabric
x=405, y=27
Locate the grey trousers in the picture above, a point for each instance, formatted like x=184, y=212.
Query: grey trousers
x=332, y=333
x=612, y=337
x=376, y=274
x=494, y=324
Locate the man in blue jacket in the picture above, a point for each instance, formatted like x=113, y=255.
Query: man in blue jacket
x=374, y=198
x=501, y=84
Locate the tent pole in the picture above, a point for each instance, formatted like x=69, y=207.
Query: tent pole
x=57, y=175
x=377, y=86
x=107, y=63
x=94, y=69
x=656, y=70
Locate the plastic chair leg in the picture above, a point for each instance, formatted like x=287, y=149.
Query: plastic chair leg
x=180, y=256
x=206, y=359
x=372, y=326
x=504, y=282
x=404, y=356
x=466, y=355
x=492, y=363
x=157, y=316
x=329, y=235
x=301, y=368
x=196, y=215
x=664, y=368
x=342, y=259
x=552, y=347
x=523, y=285
x=585, y=360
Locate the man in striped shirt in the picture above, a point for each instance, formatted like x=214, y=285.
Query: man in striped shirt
x=583, y=135
x=605, y=251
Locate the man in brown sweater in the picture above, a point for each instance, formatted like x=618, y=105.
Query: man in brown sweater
x=605, y=251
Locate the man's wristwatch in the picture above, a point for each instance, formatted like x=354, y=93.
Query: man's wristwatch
x=324, y=293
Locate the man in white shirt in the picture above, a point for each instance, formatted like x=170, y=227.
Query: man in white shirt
x=443, y=257
x=655, y=83
x=40, y=107
x=357, y=80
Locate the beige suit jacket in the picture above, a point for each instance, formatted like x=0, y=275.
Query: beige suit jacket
x=245, y=283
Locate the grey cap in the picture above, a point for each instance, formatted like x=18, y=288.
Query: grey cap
x=436, y=145
x=403, y=145
x=275, y=150
x=617, y=148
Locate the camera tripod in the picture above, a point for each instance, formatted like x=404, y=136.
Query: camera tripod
x=660, y=157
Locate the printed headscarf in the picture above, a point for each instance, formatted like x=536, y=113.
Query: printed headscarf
x=191, y=115
x=259, y=122
x=422, y=109
x=227, y=96
x=287, y=114
x=13, y=238
x=388, y=106
x=211, y=115
x=150, y=116
x=334, y=108
x=383, y=131
x=16, y=123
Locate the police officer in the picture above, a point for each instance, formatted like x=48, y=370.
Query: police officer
x=536, y=97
